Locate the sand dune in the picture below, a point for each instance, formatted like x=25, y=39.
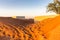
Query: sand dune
x=19, y=29
x=51, y=28
x=13, y=27
x=40, y=18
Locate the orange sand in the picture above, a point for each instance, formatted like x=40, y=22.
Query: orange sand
x=51, y=28
x=47, y=29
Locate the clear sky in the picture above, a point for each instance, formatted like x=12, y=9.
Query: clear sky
x=23, y=7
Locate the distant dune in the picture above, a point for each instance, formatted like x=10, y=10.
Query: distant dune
x=15, y=21
x=40, y=18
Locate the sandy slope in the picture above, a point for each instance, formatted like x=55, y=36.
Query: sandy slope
x=51, y=28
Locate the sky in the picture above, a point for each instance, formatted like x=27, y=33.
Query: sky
x=24, y=7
